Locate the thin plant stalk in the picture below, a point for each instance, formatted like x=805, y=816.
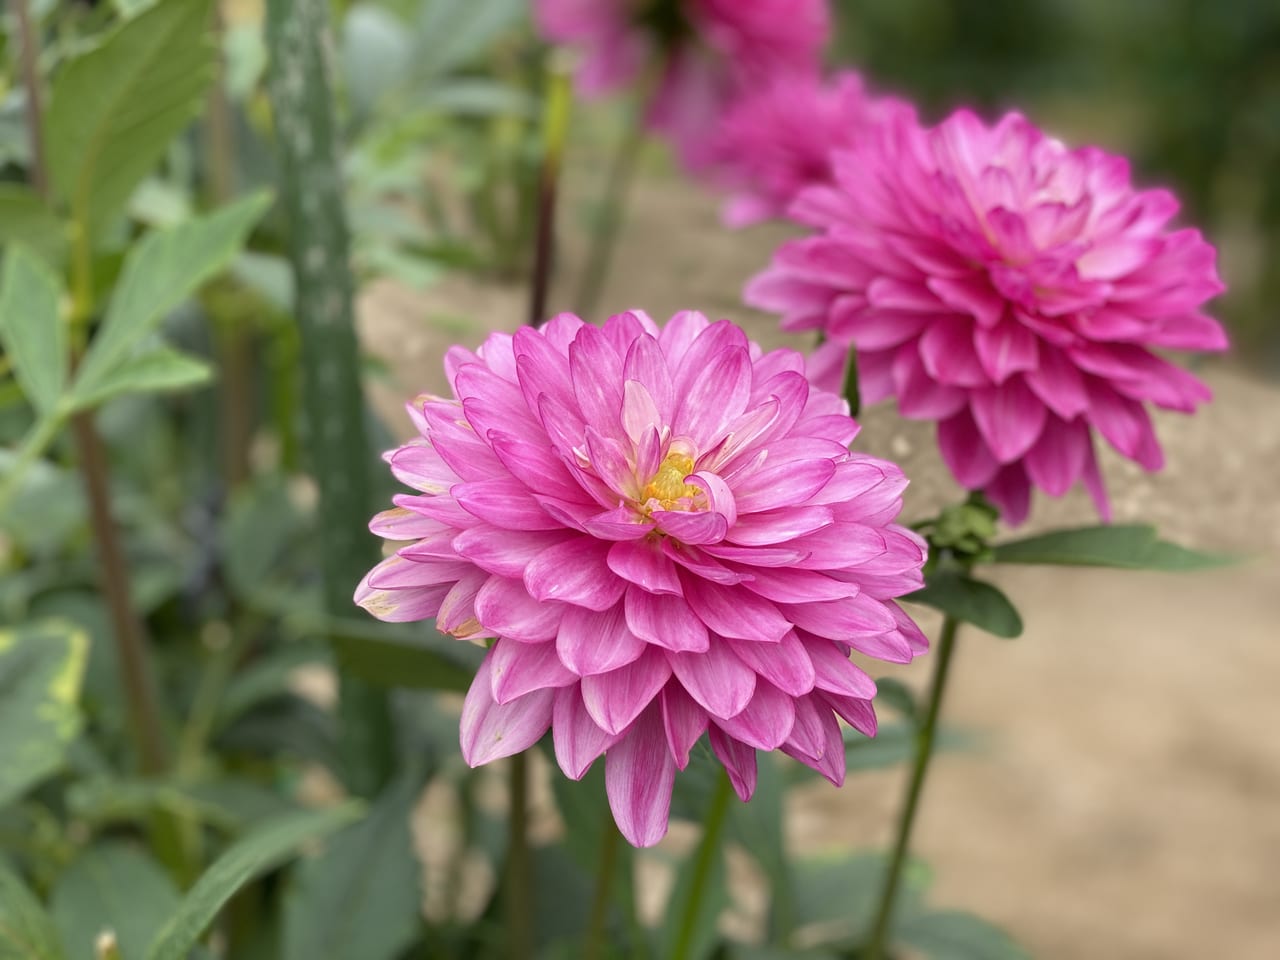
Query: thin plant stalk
x=925, y=737
x=113, y=572
x=717, y=814
x=519, y=891
x=607, y=867
x=555, y=131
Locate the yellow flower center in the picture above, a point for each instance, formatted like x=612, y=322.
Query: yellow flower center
x=668, y=486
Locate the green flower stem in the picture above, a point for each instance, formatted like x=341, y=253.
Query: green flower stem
x=519, y=881
x=555, y=131
x=608, y=866
x=876, y=946
x=705, y=860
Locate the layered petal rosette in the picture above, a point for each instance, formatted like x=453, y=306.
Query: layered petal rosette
x=704, y=52
x=668, y=537
x=1017, y=292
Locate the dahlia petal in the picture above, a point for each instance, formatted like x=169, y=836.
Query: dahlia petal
x=664, y=620
x=734, y=612
x=1058, y=384
x=418, y=465
x=646, y=364
x=969, y=296
x=504, y=607
x=402, y=605
x=644, y=564
x=457, y=613
x=779, y=484
x=717, y=679
x=640, y=412
x=1005, y=349
x=490, y=730
x=1125, y=424
x=401, y=524
x=397, y=572
x=578, y=740
x=835, y=673
x=919, y=396
x=1190, y=331
x=830, y=761
x=948, y=354
x=592, y=642
x=518, y=668
x=720, y=498
x=622, y=523
x=683, y=720
x=707, y=403
x=701, y=527
x=787, y=585
x=639, y=775
x=855, y=711
x=504, y=552
x=457, y=444
x=1011, y=492
x=766, y=721
x=1056, y=461
x=596, y=372
x=503, y=502
x=785, y=664
x=575, y=571
x=1010, y=418
x=614, y=699
x=777, y=526
x=739, y=762
x=536, y=465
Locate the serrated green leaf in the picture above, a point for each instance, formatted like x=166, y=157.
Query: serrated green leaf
x=31, y=327
x=953, y=935
x=27, y=219
x=158, y=369
x=1128, y=547
x=265, y=848
x=158, y=274
x=972, y=601
x=41, y=669
x=112, y=886
x=361, y=898
x=26, y=932
x=115, y=108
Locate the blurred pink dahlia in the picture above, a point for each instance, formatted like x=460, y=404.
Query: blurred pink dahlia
x=667, y=535
x=706, y=52
x=1009, y=288
x=776, y=140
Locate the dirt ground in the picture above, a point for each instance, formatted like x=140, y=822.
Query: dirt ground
x=1126, y=802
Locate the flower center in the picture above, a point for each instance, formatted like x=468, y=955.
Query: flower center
x=668, y=487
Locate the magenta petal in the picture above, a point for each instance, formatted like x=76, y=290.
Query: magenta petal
x=503, y=502
x=856, y=712
x=1011, y=492
x=683, y=720
x=777, y=526
x=965, y=452
x=830, y=760
x=639, y=774
x=1058, y=458
x=1125, y=424
x=591, y=642
x=700, y=527
x=717, y=679
x=786, y=664
x=575, y=571
x=948, y=354
x=616, y=698
x=578, y=740
x=504, y=552
x=739, y=761
x=766, y=721
x=1005, y=349
x=490, y=730
x=519, y=668
x=835, y=673
x=664, y=620
x=735, y=612
x=1010, y=418
x=644, y=564
x=505, y=608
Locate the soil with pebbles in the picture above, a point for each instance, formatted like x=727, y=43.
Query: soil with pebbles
x=1125, y=801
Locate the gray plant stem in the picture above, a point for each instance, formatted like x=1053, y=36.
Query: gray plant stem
x=333, y=400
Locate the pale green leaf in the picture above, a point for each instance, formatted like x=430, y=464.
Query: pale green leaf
x=159, y=369
x=1128, y=547
x=26, y=932
x=41, y=669
x=115, y=108
x=973, y=601
x=269, y=846
x=26, y=218
x=112, y=886
x=952, y=935
x=31, y=327
x=360, y=899
x=158, y=274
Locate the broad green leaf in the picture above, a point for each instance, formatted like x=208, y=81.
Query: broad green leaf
x=159, y=369
x=112, y=886
x=47, y=509
x=265, y=848
x=970, y=600
x=115, y=108
x=26, y=932
x=41, y=668
x=25, y=218
x=836, y=896
x=377, y=54
x=31, y=327
x=1129, y=547
x=107, y=801
x=952, y=935
x=452, y=32
x=360, y=899
x=158, y=274
x=394, y=663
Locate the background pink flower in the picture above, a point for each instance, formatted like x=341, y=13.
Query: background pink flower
x=778, y=139
x=707, y=52
x=667, y=535
x=1012, y=289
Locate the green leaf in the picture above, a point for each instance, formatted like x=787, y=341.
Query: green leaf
x=1129, y=547
x=741, y=951
x=265, y=848
x=115, y=108
x=973, y=601
x=26, y=218
x=836, y=896
x=26, y=932
x=160, y=369
x=112, y=886
x=361, y=898
x=41, y=668
x=158, y=274
x=952, y=935
x=453, y=32
x=31, y=327
x=393, y=663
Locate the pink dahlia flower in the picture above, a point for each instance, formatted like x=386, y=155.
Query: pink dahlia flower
x=706, y=51
x=1011, y=289
x=667, y=535
x=779, y=139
